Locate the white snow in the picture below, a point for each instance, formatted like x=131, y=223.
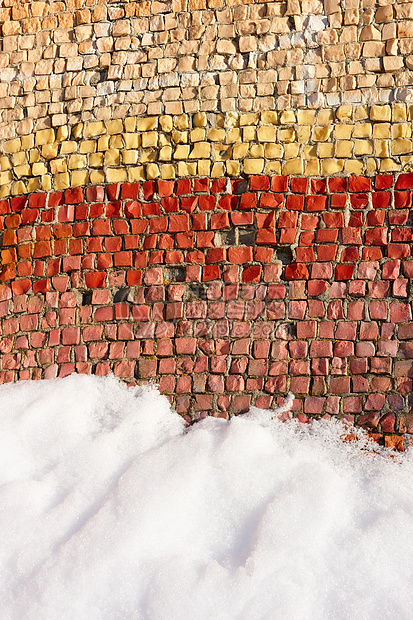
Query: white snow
x=110, y=509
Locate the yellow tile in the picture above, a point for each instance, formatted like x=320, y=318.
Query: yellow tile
x=39, y=169
x=5, y=177
x=199, y=119
x=34, y=184
x=12, y=146
x=343, y=132
x=23, y=171
x=129, y=157
x=45, y=136
x=306, y=117
x=130, y=124
x=216, y=135
x=34, y=156
x=371, y=165
x=230, y=120
x=68, y=146
x=381, y=148
x=273, y=151
x=344, y=148
x=399, y=112
x=291, y=150
x=249, y=119
x=187, y=169
x=249, y=134
x=112, y=157
x=239, y=151
x=218, y=170
x=136, y=174
x=96, y=160
x=62, y=133
x=201, y=150
x=269, y=117
x=87, y=146
x=221, y=152
x=77, y=131
x=266, y=133
x=253, y=166
x=309, y=152
x=181, y=122
x=361, y=112
x=50, y=151
x=97, y=177
x=354, y=166
x=303, y=134
x=389, y=165
x=380, y=113
x=325, y=117
x=287, y=117
x=165, y=154
x=20, y=158
x=363, y=147
x=148, y=123
x=182, y=152
x=94, y=129
x=166, y=123
x=167, y=171
x=321, y=134
x=401, y=146
x=27, y=142
x=257, y=150
x=58, y=165
x=114, y=127
x=401, y=130
x=79, y=178
x=164, y=140
x=293, y=166
x=149, y=138
x=116, y=142
x=116, y=175
x=197, y=135
x=5, y=163
x=147, y=155
x=103, y=143
x=62, y=181
x=179, y=137
x=46, y=182
x=77, y=162
x=287, y=135
x=344, y=112
x=326, y=150
x=233, y=168
x=19, y=188
x=331, y=166
x=204, y=167
x=273, y=167
x=362, y=130
x=312, y=168
x=132, y=140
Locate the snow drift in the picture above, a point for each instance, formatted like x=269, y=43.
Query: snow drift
x=110, y=509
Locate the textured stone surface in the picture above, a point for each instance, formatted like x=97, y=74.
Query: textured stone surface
x=214, y=195
x=122, y=278
x=117, y=92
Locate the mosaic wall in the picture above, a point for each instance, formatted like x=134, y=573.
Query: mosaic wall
x=214, y=195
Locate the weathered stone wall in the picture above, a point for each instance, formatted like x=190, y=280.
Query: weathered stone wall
x=215, y=195
x=70, y=61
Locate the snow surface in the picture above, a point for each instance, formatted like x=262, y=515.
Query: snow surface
x=110, y=509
